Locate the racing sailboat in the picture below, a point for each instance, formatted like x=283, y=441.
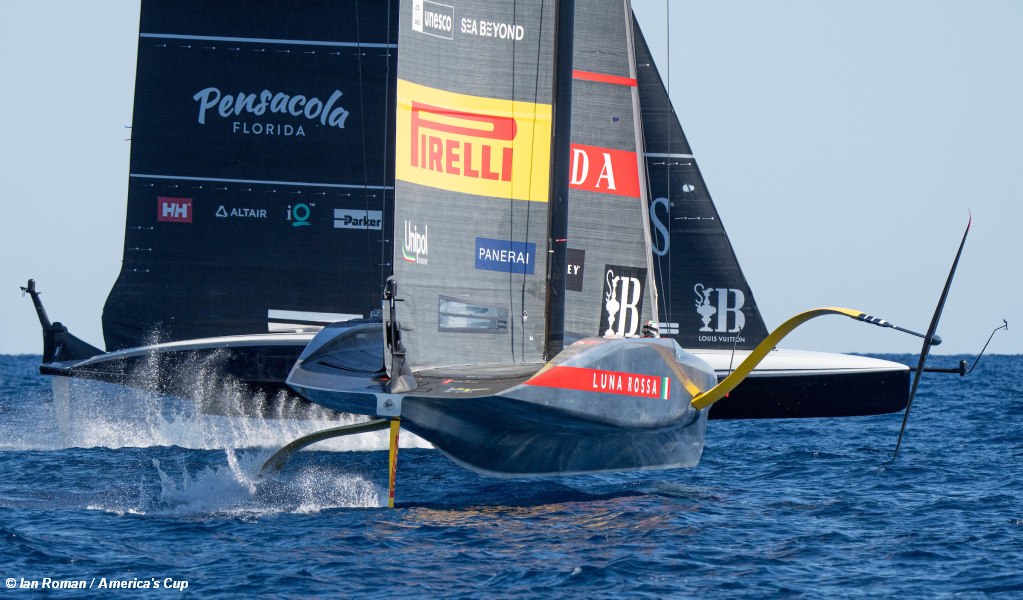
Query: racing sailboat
x=480, y=360
x=487, y=353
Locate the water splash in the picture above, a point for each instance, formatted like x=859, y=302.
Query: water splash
x=85, y=414
x=231, y=489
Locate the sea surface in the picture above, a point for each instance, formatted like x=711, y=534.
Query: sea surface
x=111, y=487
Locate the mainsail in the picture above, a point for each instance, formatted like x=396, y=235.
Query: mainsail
x=609, y=284
x=261, y=168
x=704, y=301
x=472, y=177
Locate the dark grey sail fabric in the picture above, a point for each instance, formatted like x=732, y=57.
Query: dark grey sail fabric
x=262, y=168
x=704, y=300
x=472, y=180
x=610, y=278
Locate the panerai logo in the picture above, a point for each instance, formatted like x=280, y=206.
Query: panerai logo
x=720, y=303
x=623, y=301
x=243, y=104
x=415, y=247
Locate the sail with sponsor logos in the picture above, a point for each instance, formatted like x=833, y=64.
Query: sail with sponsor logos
x=472, y=180
x=260, y=190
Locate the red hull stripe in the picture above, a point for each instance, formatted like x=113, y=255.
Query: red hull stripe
x=600, y=381
x=602, y=78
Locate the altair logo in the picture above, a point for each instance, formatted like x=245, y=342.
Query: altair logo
x=415, y=247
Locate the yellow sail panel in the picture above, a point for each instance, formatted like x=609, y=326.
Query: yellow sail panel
x=473, y=145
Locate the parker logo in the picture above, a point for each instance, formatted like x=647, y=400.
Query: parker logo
x=604, y=170
x=415, y=248
x=433, y=18
x=576, y=263
x=358, y=219
x=623, y=301
x=506, y=256
x=606, y=382
x=472, y=144
x=724, y=303
x=174, y=210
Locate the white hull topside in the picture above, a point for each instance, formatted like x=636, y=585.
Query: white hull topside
x=778, y=362
x=797, y=362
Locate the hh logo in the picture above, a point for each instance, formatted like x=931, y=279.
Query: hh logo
x=720, y=302
x=472, y=144
x=604, y=170
x=623, y=301
x=174, y=210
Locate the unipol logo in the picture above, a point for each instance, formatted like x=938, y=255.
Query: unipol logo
x=623, y=301
x=604, y=170
x=174, y=210
x=720, y=308
x=266, y=103
x=415, y=247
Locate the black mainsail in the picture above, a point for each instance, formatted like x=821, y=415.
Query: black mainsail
x=261, y=169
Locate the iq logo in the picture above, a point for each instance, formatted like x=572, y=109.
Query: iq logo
x=299, y=214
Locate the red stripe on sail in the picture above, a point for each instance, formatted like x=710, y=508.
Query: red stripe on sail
x=602, y=78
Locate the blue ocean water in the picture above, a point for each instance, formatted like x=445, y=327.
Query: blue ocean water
x=107, y=485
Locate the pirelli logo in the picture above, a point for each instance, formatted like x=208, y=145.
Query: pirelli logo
x=471, y=144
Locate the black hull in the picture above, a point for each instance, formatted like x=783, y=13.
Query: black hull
x=815, y=395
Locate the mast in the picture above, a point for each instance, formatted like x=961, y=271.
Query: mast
x=560, y=167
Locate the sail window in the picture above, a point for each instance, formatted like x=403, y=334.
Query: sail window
x=457, y=316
